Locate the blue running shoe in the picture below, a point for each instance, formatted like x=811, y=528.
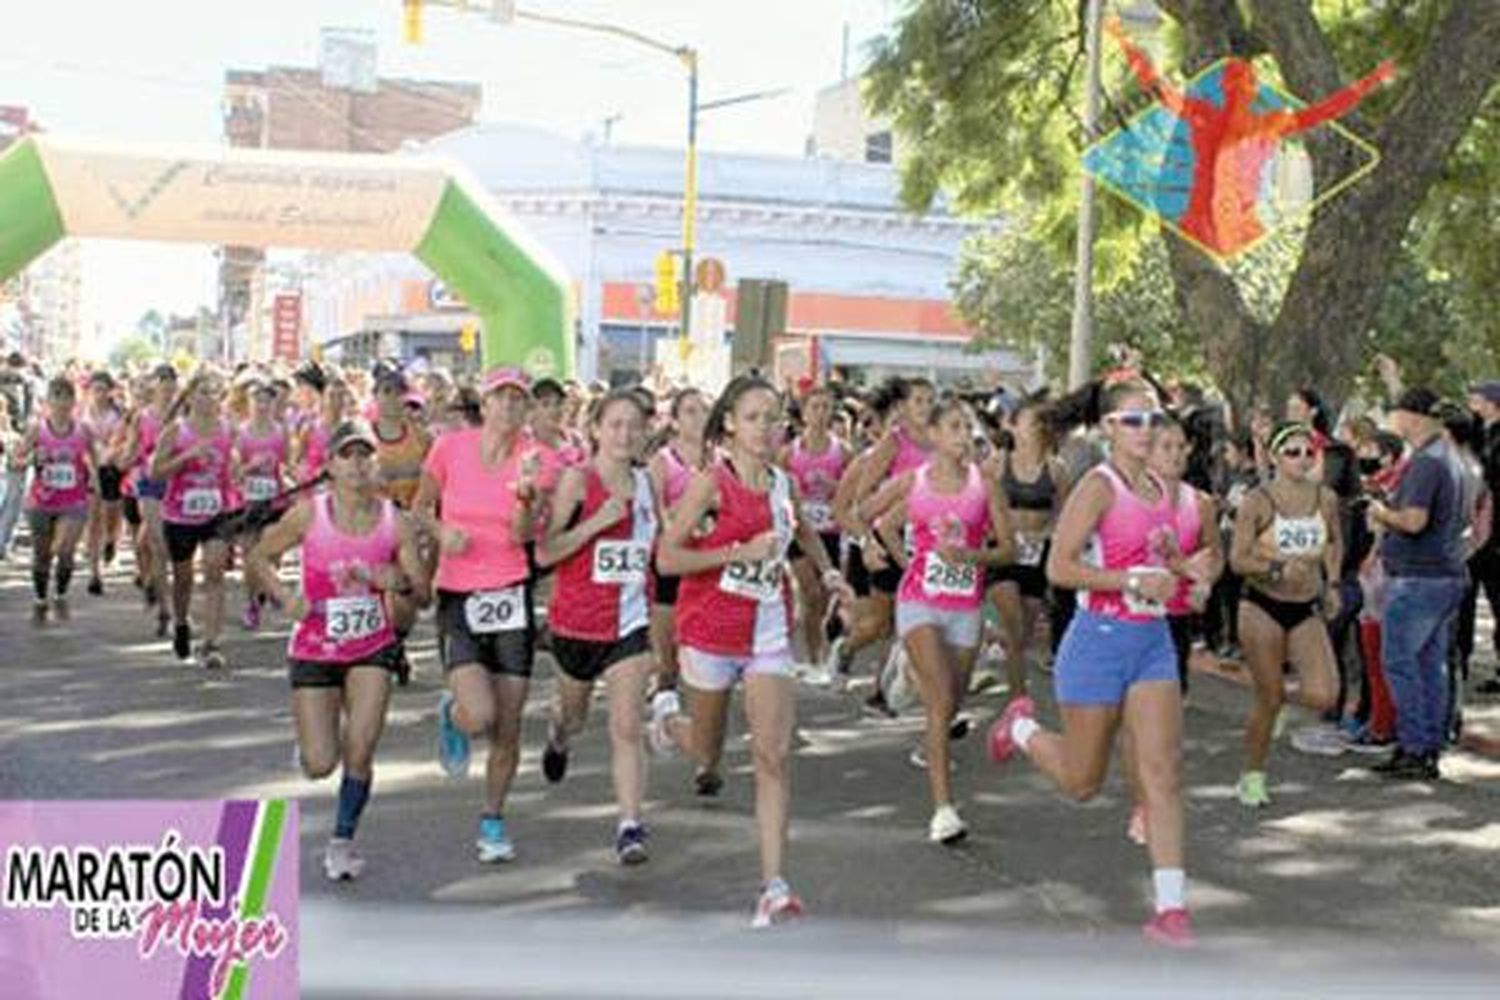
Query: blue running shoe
x=630, y=844
x=453, y=744
x=493, y=843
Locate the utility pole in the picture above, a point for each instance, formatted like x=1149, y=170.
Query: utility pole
x=1080, y=343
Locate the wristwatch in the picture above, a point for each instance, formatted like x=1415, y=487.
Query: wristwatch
x=1133, y=585
x=1274, y=570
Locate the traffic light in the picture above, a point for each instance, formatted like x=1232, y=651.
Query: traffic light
x=468, y=338
x=668, y=296
x=411, y=21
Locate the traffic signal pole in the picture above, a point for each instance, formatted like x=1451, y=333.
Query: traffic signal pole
x=689, y=194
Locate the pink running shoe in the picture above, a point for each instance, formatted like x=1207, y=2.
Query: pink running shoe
x=1171, y=928
x=777, y=905
x=251, y=618
x=1002, y=746
x=1135, y=830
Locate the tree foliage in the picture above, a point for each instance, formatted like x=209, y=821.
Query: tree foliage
x=984, y=94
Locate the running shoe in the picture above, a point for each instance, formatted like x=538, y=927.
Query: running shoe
x=1001, y=743
x=1135, y=829
x=182, y=641
x=876, y=706
x=835, y=663
x=664, y=705
x=1367, y=745
x=493, y=844
x=1320, y=741
x=947, y=827
x=39, y=612
x=708, y=784
x=554, y=762
x=96, y=586
x=959, y=728
x=1251, y=790
x=60, y=609
x=210, y=657
x=1489, y=688
x=453, y=743
x=918, y=757
x=250, y=619
x=1171, y=928
x=630, y=844
x=151, y=595
x=895, y=681
x=341, y=863
x=163, y=625
x=777, y=905
x=109, y=553
x=403, y=666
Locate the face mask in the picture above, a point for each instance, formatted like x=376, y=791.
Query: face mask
x=1369, y=466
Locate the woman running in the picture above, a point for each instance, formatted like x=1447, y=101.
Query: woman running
x=261, y=464
x=361, y=575
x=62, y=453
x=142, y=431
x=953, y=515
x=478, y=498
x=106, y=424
x=334, y=407
x=728, y=540
x=1113, y=544
x=1199, y=544
x=1030, y=474
x=1287, y=547
x=403, y=441
x=603, y=530
x=193, y=458
x=816, y=460
x=672, y=468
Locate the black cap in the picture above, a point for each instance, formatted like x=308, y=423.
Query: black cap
x=1422, y=402
x=351, y=432
x=164, y=370
x=390, y=380
x=1488, y=390
x=310, y=374
x=15, y=359
x=103, y=378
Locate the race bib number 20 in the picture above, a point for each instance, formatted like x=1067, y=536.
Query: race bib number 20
x=490, y=611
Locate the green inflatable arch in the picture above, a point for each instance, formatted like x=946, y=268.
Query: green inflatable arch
x=51, y=188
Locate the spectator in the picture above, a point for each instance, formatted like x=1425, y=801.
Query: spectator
x=1484, y=401
x=1423, y=556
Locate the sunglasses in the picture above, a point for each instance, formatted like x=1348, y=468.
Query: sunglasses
x=1139, y=419
x=1296, y=453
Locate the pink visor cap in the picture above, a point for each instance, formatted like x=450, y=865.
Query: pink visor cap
x=499, y=378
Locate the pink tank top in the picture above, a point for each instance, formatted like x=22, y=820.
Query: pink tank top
x=817, y=479
x=199, y=490
x=61, y=482
x=315, y=454
x=147, y=431
x=1189, y=521
x=679, y=475
x=909, y=454
x=1130, y=535
x=960, y=519
x=347, y=621
x=261, y=462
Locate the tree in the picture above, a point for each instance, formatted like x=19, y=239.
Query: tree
x=132, y=349
x=984, y=91
x=152, y=327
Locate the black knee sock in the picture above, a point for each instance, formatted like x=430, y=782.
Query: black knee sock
x=64, y=576
x=353, y=794
x=39, y=577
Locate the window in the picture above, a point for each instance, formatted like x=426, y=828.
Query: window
x=878, y=147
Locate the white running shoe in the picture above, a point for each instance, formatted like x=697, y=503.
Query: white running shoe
x=777, y=905
x=947, y=827
x=664, y=706
x=341, y=863
x=900, y=693
x=1320, y=741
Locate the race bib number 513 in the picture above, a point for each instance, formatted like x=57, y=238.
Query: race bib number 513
x=621, y=563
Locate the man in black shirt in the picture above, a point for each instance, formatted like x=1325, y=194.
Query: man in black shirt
x=1484, y=400
x=1423, y=554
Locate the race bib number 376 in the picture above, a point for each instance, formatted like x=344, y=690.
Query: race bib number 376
x=349, y=619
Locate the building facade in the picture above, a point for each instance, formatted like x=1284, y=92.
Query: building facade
x=868, y=281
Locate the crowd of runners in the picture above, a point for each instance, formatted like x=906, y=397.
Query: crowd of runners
x=667, y=547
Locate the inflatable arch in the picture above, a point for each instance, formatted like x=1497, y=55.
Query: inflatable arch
x=52, y=187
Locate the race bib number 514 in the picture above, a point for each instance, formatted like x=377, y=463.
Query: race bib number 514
x=759, y=581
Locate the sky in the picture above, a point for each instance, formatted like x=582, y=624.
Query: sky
x=153, y=70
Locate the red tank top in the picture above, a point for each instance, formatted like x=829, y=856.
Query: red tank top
x=604, y=590
x=741, y=609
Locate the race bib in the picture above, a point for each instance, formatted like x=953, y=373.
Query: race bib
x=621, y=563
x=349, y=619
x=759, y=581
x=941, y=578
x=1029, y=549
x=490, y=611
x=1299, y=536
x=909, y=541
x=1143, y=605
x=60, y=476
x=202, y=502
x=820, y=516
x=259, y=488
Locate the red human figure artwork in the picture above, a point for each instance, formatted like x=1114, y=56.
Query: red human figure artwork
x=1233, y=142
